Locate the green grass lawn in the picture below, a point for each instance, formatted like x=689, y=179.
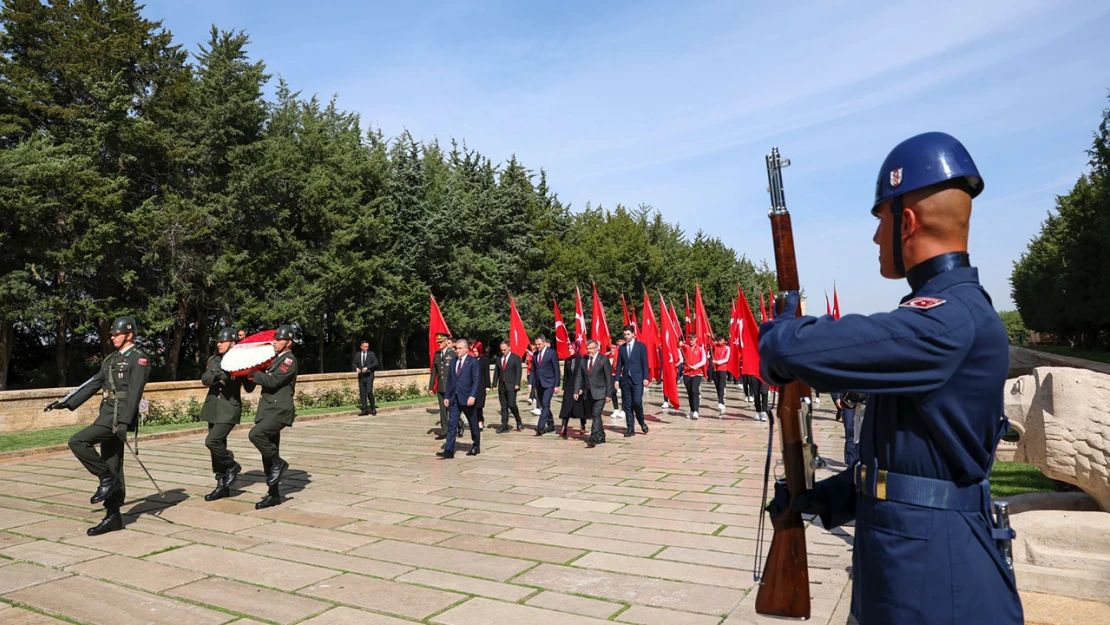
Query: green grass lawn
x=1087, y=354
x=1013, y=478
x=59, y=436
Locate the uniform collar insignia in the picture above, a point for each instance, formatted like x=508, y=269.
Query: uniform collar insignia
x=920, y=274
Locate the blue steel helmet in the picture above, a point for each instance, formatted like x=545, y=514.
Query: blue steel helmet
x=922, y=161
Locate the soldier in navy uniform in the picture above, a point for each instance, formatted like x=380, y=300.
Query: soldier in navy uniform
x=121, y=381
x=927, y=546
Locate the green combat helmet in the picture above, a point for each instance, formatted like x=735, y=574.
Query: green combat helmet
x=124, y=325
x=228, y=334
x=284, y=333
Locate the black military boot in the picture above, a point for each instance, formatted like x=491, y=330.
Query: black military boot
x=232, y=475
x=110, y=523
x=272, y=498
x=221, y=489
x=109, y=486
x=277, y=469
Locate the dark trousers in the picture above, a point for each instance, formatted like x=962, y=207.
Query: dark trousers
x=761, y=392
x=633, y=396
x=507, y=396
x=721, y=378
x=453, y=426
x=366, y=392
x=443, y=416
x=851, y=454
x=594, y=408
x=693, y=391
x=216, y=442
x=746, y=379
x=546, y=418
x=110, y=458
x=266, y=436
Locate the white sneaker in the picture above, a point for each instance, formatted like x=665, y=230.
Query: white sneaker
x=720, y=407
x=532, y=400
x=749, y=398
x=666, y=405
x=694, y=416
x=763, y=416
x=806, y=400
x=536, y=411
x=816, y=400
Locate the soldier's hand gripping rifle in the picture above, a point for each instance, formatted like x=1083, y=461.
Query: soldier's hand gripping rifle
x=784, y=586
x=61, y=403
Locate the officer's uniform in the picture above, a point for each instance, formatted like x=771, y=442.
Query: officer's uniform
x=275, y=412
x=926, y=549
x=120, y=382
x=438, y=383
x=222, y=410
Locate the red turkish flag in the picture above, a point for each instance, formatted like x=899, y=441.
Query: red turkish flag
x=436, y=325
x=624, y=308
x=600, y=330
x=701, y=323
x=749, y=338
x=649, y=336
x=689, y=324
x=563, y=346
x=762, y=308
x=518, y=336
x=734, y=326
x=669, y=366
x=836, y=305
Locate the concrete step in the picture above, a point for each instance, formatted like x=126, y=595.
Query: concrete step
x=1092, y=585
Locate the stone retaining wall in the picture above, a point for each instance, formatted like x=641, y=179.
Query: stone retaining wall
x=21, y=411
x=1024, y=360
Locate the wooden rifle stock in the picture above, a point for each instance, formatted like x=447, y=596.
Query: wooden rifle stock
x=784, y=586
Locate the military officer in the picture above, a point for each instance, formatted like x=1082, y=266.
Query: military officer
x=927, y=549
x=437, y=383
x=276, y=412
x=120, y=381
x=222, y=410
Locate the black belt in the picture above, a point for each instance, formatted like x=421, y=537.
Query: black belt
x=920, y=491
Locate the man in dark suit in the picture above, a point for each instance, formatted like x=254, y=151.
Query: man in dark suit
x=437, y=383
x=506, y=379
x=461, y=393
x=364, y=363
x=546, y=372
x=632, y=368
x=594, y=385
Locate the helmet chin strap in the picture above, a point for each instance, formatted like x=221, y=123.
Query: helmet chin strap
x=896, y=234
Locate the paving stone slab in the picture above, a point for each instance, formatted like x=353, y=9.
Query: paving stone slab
x=327, y=559
x=19, y=616
x=643, y=615
x=586, y=543
x=680, y=571
x=12, y=518
x=398, y=532
x=466, y=585
x=350, y=616
x=574, y=605
x=207, y=519
x=134, y=572
x=512, y=549
x=634, y=589
x=384, y=596
x=478, y=611
x=441, y=559
x=581, y=505
x=217, y=539
x=247, y=567
x=20, y=575
x=544, y=523
x=50, y=554
x=308, y=536
x=246, y=599
x=126, y=542
x=101, y=603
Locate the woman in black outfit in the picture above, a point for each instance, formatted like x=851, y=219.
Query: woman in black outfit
x=479, y=352
x=572, y=408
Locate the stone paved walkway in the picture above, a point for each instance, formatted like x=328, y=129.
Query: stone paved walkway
x=651, y=530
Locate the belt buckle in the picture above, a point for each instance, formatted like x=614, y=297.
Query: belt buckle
x=105, y=394
x=880, y=484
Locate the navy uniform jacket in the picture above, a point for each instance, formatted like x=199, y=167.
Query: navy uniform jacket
x=934, y=370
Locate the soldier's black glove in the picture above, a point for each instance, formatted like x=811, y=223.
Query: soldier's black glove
x=55, y=405
x=815, y=502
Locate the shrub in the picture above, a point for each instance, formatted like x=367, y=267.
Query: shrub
x=165, y=413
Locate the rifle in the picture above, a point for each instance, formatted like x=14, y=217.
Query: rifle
x=54, y=405
x=784, y=586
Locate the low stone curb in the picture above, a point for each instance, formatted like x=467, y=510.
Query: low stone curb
x=20, y=454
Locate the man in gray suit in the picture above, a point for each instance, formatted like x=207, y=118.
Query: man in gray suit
x=595, y=384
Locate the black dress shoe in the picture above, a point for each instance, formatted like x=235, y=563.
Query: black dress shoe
x=540, y=432
x=446, y=455
x=374, y=412
x=503, y=429
x=441, y=437
x=474, y=451
x=277, y=469
x=232, y=474
x=109, y=486
x=269, y=501
x=644, y=427
x=629, y=432
x=519, y=426
x=112, y=522
x=590, y=445
x=220, y=492
x=550, y=428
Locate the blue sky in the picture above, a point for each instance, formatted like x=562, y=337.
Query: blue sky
x=675, y=104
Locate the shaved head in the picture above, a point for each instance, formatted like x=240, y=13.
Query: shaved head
x=935, y=221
